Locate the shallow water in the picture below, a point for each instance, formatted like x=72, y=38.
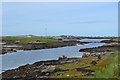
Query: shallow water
x=93, y=40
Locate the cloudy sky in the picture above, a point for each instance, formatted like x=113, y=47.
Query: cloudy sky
x=78, y=18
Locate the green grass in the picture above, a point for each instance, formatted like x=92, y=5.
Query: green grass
x=107, y=67
x=110, y=67
x=29, y=39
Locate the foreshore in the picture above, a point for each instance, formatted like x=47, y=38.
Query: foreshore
x=47, y=69
x=41, y=69
x=105, y=48
x=35, y=46
x=29, y=42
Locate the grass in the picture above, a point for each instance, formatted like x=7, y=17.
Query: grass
x=107, y=67
x=24, y=39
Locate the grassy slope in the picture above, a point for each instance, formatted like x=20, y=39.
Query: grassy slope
x=30, y=39
x=107, y=67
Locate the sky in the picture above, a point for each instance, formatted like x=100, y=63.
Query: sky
x=60, y=18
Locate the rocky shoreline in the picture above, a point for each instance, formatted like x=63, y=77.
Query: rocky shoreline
x=45, y=69
x=41, y=69
x=105, y=48
x=10, y=46
x=110, y=46
x=35, y=46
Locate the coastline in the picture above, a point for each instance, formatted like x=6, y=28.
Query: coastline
x=41, y=66
x=12, y=44
x=49, y=67
x=37, y=46
x=104, y=48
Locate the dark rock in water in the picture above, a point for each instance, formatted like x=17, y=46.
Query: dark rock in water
x=62, y=58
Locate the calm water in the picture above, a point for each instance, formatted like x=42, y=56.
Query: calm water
x=93, y=40
x=16, y=59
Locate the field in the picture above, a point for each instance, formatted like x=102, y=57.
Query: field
x=25, y=39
